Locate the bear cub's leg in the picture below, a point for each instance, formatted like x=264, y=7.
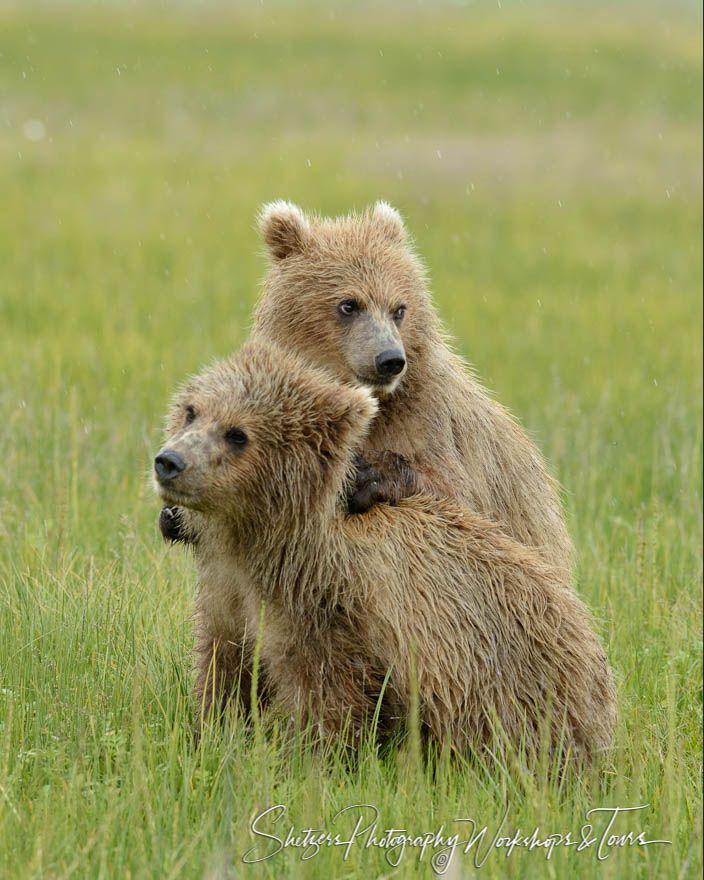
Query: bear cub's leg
x=380, y=477
x=224, y=669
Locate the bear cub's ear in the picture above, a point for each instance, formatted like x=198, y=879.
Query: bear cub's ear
x=389, y=221
x=348, y=413
x=284, y=228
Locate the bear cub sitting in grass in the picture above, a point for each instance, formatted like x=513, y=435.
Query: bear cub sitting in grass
x=262, y=447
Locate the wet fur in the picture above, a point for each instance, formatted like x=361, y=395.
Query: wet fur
x=494, y=630
x=454, y=440
x=457, y=441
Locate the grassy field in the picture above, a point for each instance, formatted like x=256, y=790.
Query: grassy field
x=547, y=158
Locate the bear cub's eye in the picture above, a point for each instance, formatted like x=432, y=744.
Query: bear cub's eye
x=348, y=307
x=399, y=313
x=190, y=414
x=236, y=437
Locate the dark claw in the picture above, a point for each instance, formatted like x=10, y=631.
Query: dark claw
x=365, y=497
x=382, y=477
x=368, y=488
x=171, y=526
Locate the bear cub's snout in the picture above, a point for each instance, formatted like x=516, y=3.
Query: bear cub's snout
x=390, y=363
x=168, y=465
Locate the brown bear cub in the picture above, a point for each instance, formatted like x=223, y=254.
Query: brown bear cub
x=350, y=296
x=261, y=448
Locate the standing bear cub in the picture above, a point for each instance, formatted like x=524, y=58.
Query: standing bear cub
x=350, y=296
x=262, y=447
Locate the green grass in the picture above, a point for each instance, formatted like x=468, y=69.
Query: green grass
x=547, y=158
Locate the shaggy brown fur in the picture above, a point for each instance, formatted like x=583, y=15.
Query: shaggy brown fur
x=265, y=446
x=458, y=442
x=437, y=430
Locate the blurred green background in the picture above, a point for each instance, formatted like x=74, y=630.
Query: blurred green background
x=547, y=158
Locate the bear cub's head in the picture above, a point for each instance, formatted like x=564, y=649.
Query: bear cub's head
x=260, y=434
x=348, y=294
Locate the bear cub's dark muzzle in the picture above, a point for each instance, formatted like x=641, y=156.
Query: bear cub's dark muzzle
x=390, y=363
x=168, y=465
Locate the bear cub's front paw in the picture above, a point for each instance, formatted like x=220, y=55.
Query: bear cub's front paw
x=171, y=525
x=376, y=481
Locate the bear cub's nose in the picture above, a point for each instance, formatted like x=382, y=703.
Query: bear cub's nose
x=168, y=464
x=390, y=363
